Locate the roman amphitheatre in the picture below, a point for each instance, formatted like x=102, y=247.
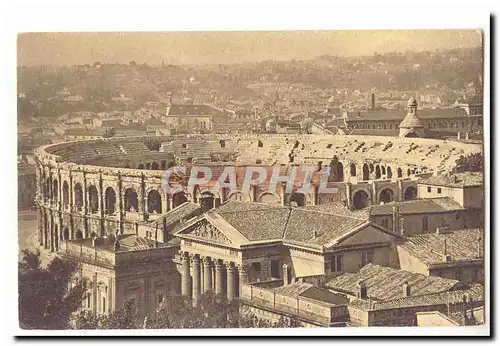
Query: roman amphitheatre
x=116, y=185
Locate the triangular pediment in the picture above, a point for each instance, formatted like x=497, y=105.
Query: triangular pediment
x=213, y=228
x=365, y=235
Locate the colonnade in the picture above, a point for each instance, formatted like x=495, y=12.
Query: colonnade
x=201, y=274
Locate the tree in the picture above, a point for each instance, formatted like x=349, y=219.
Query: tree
x=123, y=318
x=48, y=296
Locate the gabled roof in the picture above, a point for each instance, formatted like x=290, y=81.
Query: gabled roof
x=307, y=290
x=384, y=283
x=418, y=206
x=411, y=121
x=464, y=244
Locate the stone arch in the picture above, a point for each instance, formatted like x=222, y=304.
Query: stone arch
x=361, y=199
x=297, y=198
x=389, y=172
x=411, y=134
x=239, y=196
x=269, y=198
x=400, y=172
x=78, y=190
x=386, y=195
x=109, y=200
x=353, y=170
x=178, y=199
x=410, y=193
x=55, y=190
x=154, y=202
x=131, y=200
x=163, y=164
x=65, y=194
x=377, y=172
x=336, y=170
x=366, y=172
x=140, y=166
x=93, y=199
x=78, y=234
x=155, y=166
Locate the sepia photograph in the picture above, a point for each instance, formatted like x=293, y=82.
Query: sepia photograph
x=251, y=180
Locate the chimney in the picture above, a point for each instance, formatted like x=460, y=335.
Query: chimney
x=406, y=289
x=446, y=256
x=286, y=275
x=362, y=290
x=314, y=234
x=395, y=215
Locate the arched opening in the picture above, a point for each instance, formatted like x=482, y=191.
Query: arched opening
x=410, y=193
x=386, y=196
x=78, y=197
x=408, y=172
x=163, y=164
x=155, y=166
x=55, y=190
x=140, y=166
x=366, y=172
x=238, y=196
x=110, y=201
x=297, y=200
x=207, y=201
x=148, y=165
x=178, y=199
x=65, y=194
x=382, y=170
x=66, y=233
x=56, y=238
x=372, y=167
x=400, y=173
x=154, y=202
x=78, y=234
x=389, y=172
x=411, y=134
x=269, y=198
x=47, y=188
x=336, y=170
x=377, y=172
x=131, y=201
x=360, y=200
x=353, y=170
x=93, y=199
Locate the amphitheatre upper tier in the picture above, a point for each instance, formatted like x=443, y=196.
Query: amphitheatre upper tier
x=158, y=153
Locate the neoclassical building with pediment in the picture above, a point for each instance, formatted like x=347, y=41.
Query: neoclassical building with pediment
x=241, y=242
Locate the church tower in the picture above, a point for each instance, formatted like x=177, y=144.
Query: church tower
x=411, y=126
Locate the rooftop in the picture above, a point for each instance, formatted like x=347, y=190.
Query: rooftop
x=177, y=110
x=468, y=179
x=307, y=290
x=466, y=244
x=418, y=206
x=384, y=283
x=387, y=114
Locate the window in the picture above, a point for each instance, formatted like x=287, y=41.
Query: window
x=256, y=266
x=425, y=223
x=429, y=189
x=160, y=298
x=366, y=257
x=457, y=216
x=336, y=264
x=439, y=190
x=103, y=305
x=88, y=300
x=385, y=223
x=275, y=269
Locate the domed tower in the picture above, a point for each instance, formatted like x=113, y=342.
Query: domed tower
x=411, y=126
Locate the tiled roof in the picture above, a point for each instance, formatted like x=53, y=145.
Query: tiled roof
x=381, y=115
x=302, y=225
x=238, y=206
x=175, y=218
x=177, y=110
x=384, y=283
x=338, y=208
x=411, y=121
x=464, y=244
x=258, y=224
x=418, y=206
x=310, y=291
x=455, y=180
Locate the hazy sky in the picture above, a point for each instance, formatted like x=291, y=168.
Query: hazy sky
x=227, y=47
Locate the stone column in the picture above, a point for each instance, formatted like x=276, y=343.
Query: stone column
x=185, y=275
x=196, y=279
x=207, y=274
x=219, y=278
x=231, y=281
x=243, y=276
